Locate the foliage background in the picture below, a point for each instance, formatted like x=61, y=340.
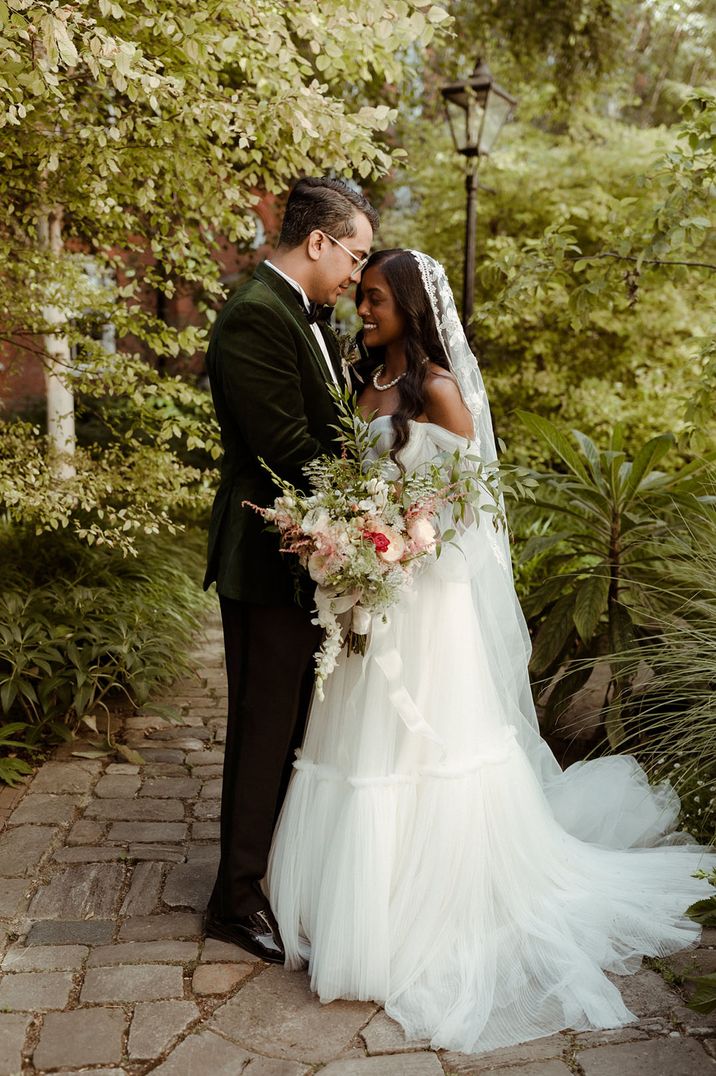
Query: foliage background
x=137, y=137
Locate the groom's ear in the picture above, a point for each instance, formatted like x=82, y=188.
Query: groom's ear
x=314, y=244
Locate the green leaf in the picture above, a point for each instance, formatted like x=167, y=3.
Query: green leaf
x=555, y=439
x=545, y=594
x=645, y=460
x=703, y=911
x=591, y=601
x=8, y=693
x=704, y=997
x=562, y=693
x=621, y=631
x=613, y=724
x=553, y=635
x=539, y=543
x=130, y=754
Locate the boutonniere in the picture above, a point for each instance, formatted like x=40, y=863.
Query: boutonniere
x=350, y=355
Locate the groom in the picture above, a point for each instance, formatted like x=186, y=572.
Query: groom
x=271, y=366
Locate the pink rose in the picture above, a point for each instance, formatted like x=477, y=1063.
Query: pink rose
x=422, y=533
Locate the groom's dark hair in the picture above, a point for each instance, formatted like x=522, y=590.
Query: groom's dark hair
x=327, y=204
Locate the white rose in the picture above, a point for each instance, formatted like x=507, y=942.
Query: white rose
x=315, y=520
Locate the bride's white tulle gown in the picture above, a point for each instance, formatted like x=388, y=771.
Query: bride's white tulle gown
x=431, y=854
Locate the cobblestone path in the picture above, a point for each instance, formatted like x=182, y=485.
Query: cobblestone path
x=105, y=869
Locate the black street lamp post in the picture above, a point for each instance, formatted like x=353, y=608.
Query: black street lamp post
x=476, y=109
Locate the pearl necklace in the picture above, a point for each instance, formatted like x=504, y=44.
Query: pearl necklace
x=383, y=388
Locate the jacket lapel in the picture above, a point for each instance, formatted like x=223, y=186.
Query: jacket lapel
x=292, y=301
x=334, y=351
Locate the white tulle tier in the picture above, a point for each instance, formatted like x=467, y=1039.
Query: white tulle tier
x=432, y=856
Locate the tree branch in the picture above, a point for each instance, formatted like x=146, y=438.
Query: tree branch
x=645, y=261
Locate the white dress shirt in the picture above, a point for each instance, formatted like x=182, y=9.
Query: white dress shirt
x=314, y=325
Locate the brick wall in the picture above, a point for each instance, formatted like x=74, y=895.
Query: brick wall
x=21, y=374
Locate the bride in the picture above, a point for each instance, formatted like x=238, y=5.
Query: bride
x=431, y=854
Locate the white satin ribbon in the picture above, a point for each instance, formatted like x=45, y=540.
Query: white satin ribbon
x=390, y=664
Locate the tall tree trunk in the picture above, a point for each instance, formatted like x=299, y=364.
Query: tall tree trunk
x=58, y=390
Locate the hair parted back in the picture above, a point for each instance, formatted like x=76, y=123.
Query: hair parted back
x=422, y=341
x=329, y=205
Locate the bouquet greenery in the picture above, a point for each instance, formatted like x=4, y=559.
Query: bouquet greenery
x=367, y=526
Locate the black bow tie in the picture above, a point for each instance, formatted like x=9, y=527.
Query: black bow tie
x=315, y=311
x=318, y=312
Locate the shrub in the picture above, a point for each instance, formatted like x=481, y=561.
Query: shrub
x=611, y=519
x=82, y=626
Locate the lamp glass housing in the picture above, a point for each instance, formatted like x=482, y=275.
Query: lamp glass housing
x=477, y=108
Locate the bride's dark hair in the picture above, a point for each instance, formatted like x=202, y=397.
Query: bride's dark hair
x=422, y=343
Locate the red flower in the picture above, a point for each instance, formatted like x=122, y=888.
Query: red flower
x=379, y=540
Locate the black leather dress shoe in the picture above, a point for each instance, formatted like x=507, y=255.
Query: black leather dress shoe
x=256, y=933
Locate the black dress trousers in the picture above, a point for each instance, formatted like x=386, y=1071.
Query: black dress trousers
x=269, y=663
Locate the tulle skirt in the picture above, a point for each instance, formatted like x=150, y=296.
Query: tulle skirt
x=430, y=858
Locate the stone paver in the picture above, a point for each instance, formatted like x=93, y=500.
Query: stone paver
x=66, y=777
x=205, y=758
x=211, y=789
x=215, y=951
x=32, y=991
x=269, y=1066
x=645, y=993
x=205, y=772
x=105, y=868
x=665, y=1057
x=13, y=1028
x=157, y=927
x=539, y=1068
x=89, y=854
x=22, y=847
x=165, y=853
x=159, y=952
x=118, y=785
x=188, y=886
x=148, y=831
x=85, y=831
x=80, y=1037
x=143, y=895
x=152, y=754
x=156, y=1024
x=171, y=787
x=551, y=1046
x=141, y=982
x=276, y=1014
x=13, y=897
x=44, y=957
x=205, y=831
x=70, y=932
x=207, y=810
x=91, y=1072
x=204, y=1053
x=424, y=1064
x=146, y=810
x=383, y=1036
x=44, y=807
x=219, y=978
x=81, y=891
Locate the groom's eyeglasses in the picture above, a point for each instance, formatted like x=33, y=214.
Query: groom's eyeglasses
x=360, y=263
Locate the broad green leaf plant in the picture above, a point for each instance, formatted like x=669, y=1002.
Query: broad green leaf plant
x=609, y=515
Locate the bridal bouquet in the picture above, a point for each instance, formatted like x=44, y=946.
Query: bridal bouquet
x=364, y=528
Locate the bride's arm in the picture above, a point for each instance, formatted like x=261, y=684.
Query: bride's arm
x=444, y=405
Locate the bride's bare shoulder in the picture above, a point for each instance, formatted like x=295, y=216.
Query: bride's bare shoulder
x=444, y=404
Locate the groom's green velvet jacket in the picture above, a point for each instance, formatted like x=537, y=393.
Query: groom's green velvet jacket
x=270, y=387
